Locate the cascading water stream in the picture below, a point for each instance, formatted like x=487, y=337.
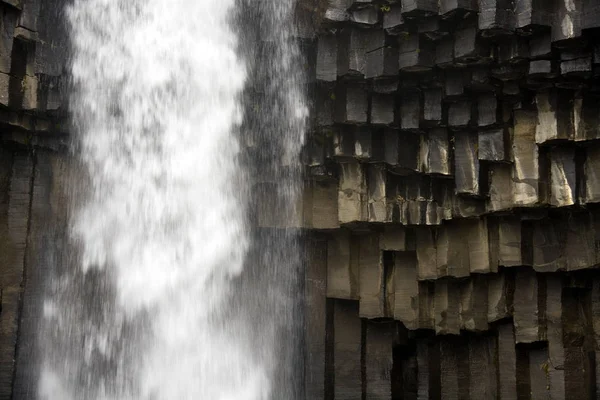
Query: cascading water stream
x=157, y=305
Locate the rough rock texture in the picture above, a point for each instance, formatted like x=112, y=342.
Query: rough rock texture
x=450, y=205
x=33, y=53
x=465, y=142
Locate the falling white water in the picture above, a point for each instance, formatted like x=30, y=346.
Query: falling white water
x=161, y=226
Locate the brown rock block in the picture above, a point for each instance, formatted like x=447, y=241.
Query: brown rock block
x=514, y=51
x=474, y=304
x=539, y=376
x=488, y=112
x=411, y=110
x=467, y=207
x=501, y=288
x=446, y=307
x=554, y=116
x=420, y=212
x=393, y=238
x=527, y=308
x=492, y=145
x=452, y=251
x=426, y=303
x=365, y=15
x=423, y=368
x=324, y=108
x=376, y=183
x=19, y=194
x=352, y=194
x=455, y=82
x=577, y=68
x=444, y=52
x=580, y=249
x=382, y=109
x=382, y=62
x=525, y=174
x=591, y=175
x=483, y=380
x=587, y=118
x=562, y=177
x=533, y=15
x=324, y=205
x=347, y=350
x=393, y=21
x=432, y=106
x=353, y=142
x=352, y=52
x=496, y=16
x=16, y=182
x=507, y=362
x=476, y=232
x=567, y=22
x=579, y=376
x=449, y=368
x=451, y=7
x=540, y=70
x=435, y=154
x=408, y=151
x=509, y=235
x=468, y=49
x=556, y=352
x=460, y=113
x=416, y=53
x=371, y=277
x=481, y=78
x=315, y=323
x=579, y=382
x=419, y=7
x=466, y=163
x=426, y=253
x=379, y=360
x=549, y=239
x=4, y=88
x=591, y=14
x=454, y=367
x=390, y=139
x=351, y=104
x=8, y=24
x=540, y=45
x=342, y=266
x=406, y=305
x=501, y=188
x=9, y=321
x=327, y=53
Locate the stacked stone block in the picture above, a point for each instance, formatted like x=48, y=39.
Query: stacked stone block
x=33, y=55
x=461, y=138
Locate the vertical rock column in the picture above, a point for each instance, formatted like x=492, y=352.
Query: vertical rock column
x=316, y=315
x=14, y=228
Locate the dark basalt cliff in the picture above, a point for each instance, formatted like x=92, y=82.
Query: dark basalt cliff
x=452, y=176
x=452, y=190
x=33, y=177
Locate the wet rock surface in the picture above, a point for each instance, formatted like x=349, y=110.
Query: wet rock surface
x=474, y=176
x=450, y=203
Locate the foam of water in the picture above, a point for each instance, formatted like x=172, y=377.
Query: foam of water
x=161, y=227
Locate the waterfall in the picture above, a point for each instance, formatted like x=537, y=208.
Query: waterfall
x=171, y=293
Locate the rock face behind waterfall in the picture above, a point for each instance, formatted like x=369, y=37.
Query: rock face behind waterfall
x=450, y=199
